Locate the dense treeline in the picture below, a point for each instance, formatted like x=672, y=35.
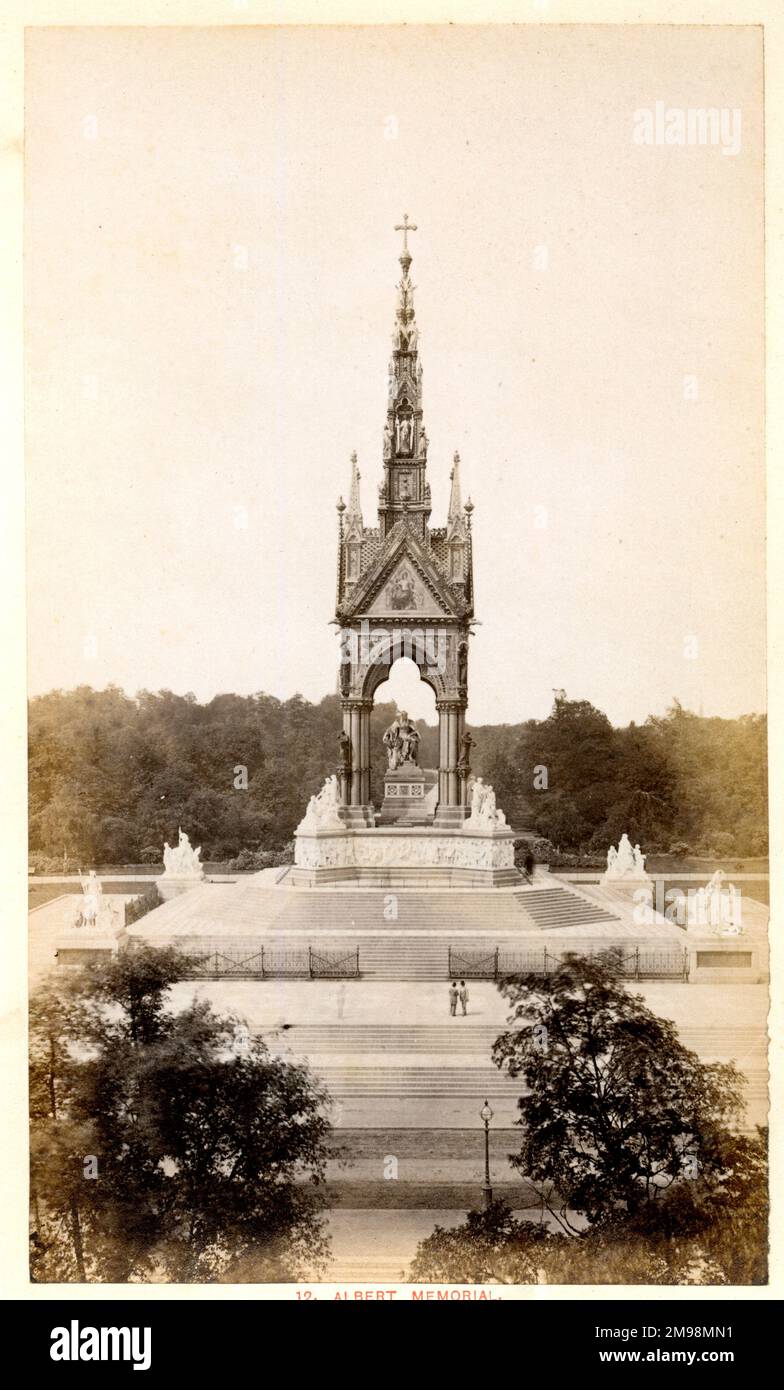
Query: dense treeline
x=678, y=781
x=112, y=777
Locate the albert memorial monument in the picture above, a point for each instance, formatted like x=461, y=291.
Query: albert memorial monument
x=405, y=588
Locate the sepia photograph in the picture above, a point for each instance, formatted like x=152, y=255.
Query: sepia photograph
x=398, y=835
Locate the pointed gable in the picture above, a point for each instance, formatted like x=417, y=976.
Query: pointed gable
x=403, y=583
x=404, y=566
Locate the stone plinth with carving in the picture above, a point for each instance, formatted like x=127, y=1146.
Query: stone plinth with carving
x=97, y=931
x=406, y=794
x=727, y=939
x=400, y=857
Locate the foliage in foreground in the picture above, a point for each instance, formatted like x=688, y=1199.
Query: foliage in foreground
x=167, y=1146
x=495, y=1247
x=628, y=1139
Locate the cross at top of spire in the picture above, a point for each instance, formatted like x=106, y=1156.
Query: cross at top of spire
x=405, y=227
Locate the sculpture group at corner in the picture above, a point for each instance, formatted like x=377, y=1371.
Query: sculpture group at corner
x=92, y=913
x=484, y=814
x=323, y=811
x=624, y=863
x=182, y=860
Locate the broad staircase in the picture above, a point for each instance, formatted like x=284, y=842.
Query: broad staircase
x=457, y=1037
x=404, y=935
x=426, y=1082
x=452, y=1060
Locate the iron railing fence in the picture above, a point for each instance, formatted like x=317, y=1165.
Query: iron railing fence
x=638, y=963
x=269, y=963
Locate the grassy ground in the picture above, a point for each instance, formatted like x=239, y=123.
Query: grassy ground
x=40, y=893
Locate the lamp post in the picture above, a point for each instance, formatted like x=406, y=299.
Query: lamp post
x=486, y=1114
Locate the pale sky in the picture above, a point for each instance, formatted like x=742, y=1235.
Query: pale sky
x=210, y=287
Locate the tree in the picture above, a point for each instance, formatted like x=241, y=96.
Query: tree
x=617, y=1111
x=491, y=1247
x=626, y=1137
x=494, y=1247
x=112, y=777
x=167, y=1145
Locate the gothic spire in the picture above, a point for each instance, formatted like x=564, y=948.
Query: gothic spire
x=455, y=499
x=354, y=509
x=404, y=490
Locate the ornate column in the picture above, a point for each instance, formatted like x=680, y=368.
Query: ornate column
x=356, y=757
x=443, y=757
x=462, y=782
x=451, y=721
x=364, y=719
x=346, y=778
x=453, y=791
x=356, y=723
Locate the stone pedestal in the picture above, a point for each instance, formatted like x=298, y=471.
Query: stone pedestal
x=715, y=959
x=405, y=794
x=87, y=945
x=171, y=885
x=627, y=886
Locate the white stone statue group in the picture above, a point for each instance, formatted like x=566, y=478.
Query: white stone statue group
x=624, y=862
x=89, y=909
x=92, y=912
x=719, y=906
x=182, y=860
x=323, y=810
x=484, y=813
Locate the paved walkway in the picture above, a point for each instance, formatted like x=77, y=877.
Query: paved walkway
x=270, y=1003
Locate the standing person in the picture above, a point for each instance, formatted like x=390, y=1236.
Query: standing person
x=463, y=996
x=453, y=998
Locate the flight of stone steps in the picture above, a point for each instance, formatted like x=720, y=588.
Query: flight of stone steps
x=250, y=908
x=453, y=1037
x=558, y=907
x=400, y=936
x=453, y=1059
x=384, y=910
x=722, y=1043
x=465, y=1082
